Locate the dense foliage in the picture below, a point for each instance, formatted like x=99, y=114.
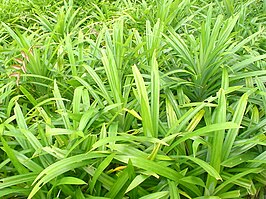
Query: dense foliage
x=133, y=99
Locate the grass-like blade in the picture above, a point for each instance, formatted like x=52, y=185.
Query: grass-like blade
x=144, y=101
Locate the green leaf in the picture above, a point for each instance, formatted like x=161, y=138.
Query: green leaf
x=217, y=140
x=201, y=132
x=19, y=167
x=208, y=197
x=127, y=138
x=99, y=170
x=14, y=191
x=232, y=133
x=155, y=195
x=19, y=117
x=236, y=160
x=173, y=190
x=152, y=166
x=17, y=179
x=99, y=83
x=61, y=167
x=70, y=180
x=155, y=94
x=28, y=95
x=234, y=178
x=76, y=103
x=238, y=66
x=70, y=53
x=193, y=180
x=144, y=101
x=136, y=182
x=61, y=106
x=230, y=194
x=205, y=166
x=112, y=73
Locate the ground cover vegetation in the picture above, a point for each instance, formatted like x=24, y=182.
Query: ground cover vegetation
x=132, y=99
